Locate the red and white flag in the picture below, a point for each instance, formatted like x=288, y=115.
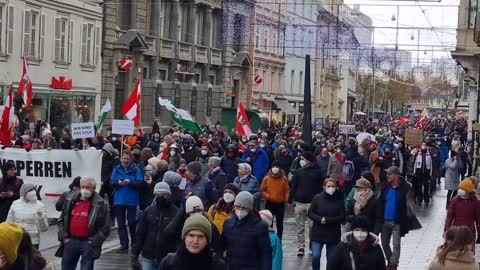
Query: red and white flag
x=421, y=121
x=6, y=123
x=25, y=86
x=243, y=125
x=131, y=108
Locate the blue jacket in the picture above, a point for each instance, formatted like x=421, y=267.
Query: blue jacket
x=385, y=145
x=259, y=162
x=277, y=252
x=443, y=153
x=247, y=243
x=128, y=194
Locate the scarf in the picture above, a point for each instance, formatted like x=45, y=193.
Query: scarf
x=187, y=260
x=419, y=161
x=339, y=156
x=361, y=200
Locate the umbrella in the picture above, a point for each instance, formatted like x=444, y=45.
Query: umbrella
x=359, y=113
x=364, y=135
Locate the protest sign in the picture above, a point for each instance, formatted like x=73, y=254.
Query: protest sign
x=122, y=127
x=347, y=129
x=83, y=130
x=53, y=170
x=318, y=123
x=413, y=136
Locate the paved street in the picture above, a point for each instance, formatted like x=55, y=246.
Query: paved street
x=418, y=247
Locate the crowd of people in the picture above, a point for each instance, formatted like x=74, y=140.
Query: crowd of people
x=212, y=200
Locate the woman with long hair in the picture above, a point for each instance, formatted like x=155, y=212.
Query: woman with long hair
x=456, y=253
x=29, y=257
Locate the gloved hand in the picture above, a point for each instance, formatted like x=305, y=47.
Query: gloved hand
x=134, y=262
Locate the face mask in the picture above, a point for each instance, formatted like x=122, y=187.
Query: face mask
x=303, y=163
x=253, y=150
x=262, y=145
x=114, y=139
x=424, y=147
x=462, y=193
x=241, y=214
x=85, y=193
x=172, y=153
x=360, y=236
x=330, y=190
x=339, y=150
x=204, y=152
x=31, y=196
x=275, y=170
x=228, y=197
x=319, y=140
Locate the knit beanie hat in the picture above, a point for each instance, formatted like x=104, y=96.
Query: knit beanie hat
x=161, y=188
x=467, y=185
x=182, y=161
x=231, y=187
x=200, y=223
x=244, y=199
x=267, y=217
x=193, y=204
x=108, y=147
x=10, y=236
x=173, y=179
x=194, y=167
x=359, y=222
x=214, y=161
x=26, y=187
x=363, y=183
x=308, y=156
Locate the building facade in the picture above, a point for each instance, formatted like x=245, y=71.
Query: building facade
x=61, y=41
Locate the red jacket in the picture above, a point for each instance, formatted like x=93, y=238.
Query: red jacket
x=464, y=212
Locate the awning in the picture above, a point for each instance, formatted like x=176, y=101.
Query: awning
x=285, y=107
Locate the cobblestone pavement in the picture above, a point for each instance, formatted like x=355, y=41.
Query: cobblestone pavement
x=418, y=247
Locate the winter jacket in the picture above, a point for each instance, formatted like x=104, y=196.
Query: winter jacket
x=405, y=219
x=250, y=184
x=219, y=179
x=30, y=216
x=284, y=162
x=191, y=154
x=306, y=183
x=452, y=175
x=108, y=164
x=62, y=199
x=455, y=260
x=347, y=255
x=443, y=153
x=247, y=243
x=275, y=188
x=230, y=167
x=218, y=215
x=259, y=162
x=335, y=168
x=9, y=184
x=369, y=211
x=464, y=212
x=374, y=158
x=98, y=223
x=150, y=238
x=154, y=145
x=204, y=163
x=322, y=163
x=277, y=252
x=180, y=261
x=128, y=194
x=202, y=188
x=331, y=208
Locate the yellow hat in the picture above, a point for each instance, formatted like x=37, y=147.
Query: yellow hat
x=10, y=236
x=467, y=185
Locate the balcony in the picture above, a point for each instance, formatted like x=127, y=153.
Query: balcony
x=201, y=54
x=185, y=51
x=216, y=57
x=167, y=48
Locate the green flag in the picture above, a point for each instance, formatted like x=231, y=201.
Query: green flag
x=182, y=117
x=103, y=114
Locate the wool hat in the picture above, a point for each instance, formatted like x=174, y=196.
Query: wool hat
x=308, y=156
x=75, y=182
x=276, y=163
x=363, y=183
x=154, y=162
x=173, y=179
x=194, y=167
x=10, y=237
x=244, y=199
x=467, y=185
x=394, y=170
x=267, y=217
x=108, y=147
x=214, y=161
x=359, y=222
x=193, y=204
x=200, y=223
x=231, y=187
x=161, y=188
x=182, y=161
x=26, y=187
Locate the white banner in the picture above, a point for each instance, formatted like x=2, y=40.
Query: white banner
x=347, y=129
x=122, y=127
x=83, y=130
x=54, y=170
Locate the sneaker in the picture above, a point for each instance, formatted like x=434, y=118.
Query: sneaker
x=301, y=252
x=122, y=250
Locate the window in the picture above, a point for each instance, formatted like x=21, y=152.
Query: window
x=33, y=34
x=90, y=44
x=281, y=45
x=183, y=20
x=208, y=110
x=193, y=102
x=166, y=9
x=293, y=50
x=216, y=29
x=272, y=83
x=63, y=40
x=280, y=89
x=9, y=29
x=292, y=81
x=257, y=37
x=265, y=39
x=472, y=13
x=163, y=74
x=201, y=31
x=264, y=84
x=3, y=17
x=300, y=83
x=274, y=46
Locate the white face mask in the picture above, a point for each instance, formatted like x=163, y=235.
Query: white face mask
x=462, y=193
x=204, y=152
x=360, y=236
x=31, y=196
x=228, y=197
x=241, y=213
x=275, y=170
x=424, y=147
x=262, y=145
x=339, y=150
x=172, y=153
x=303, y=163
x=330, y=190
x=253, y=150
x=85, y=194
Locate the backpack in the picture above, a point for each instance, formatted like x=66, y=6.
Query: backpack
x=348, y=171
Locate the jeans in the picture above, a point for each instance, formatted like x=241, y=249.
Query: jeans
x=317, y=253
x=126, y=213
x=391, y=229
x=300, y=218
x=278, y=211
x=150, y=265
x=72, y=251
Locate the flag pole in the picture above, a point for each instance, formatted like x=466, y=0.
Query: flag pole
x=121, y=147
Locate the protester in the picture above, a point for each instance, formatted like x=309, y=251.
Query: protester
x=174, y=180
x=28, y=256
x=10, y=186
x=10, y=235
x=73, y=187
x=256, y=157
x=452, y=176
x=199, y=186
x=335, y=164
x=229, y=163
x=422, y=173
x=217, y=175
x=276, y=244
x=364, y=204
x=224, y=208
x=246, y=181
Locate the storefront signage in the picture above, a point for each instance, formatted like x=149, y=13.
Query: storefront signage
x=413, y=136
x=83, y=130
x=122, y=127
x=347, y=129
x=61, y=83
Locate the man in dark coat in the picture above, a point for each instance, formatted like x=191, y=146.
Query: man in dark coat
x=10, y=186
x=190, y=151
x=216, y=175
x=108, y=163
x=322, y=161
x=229, y=163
